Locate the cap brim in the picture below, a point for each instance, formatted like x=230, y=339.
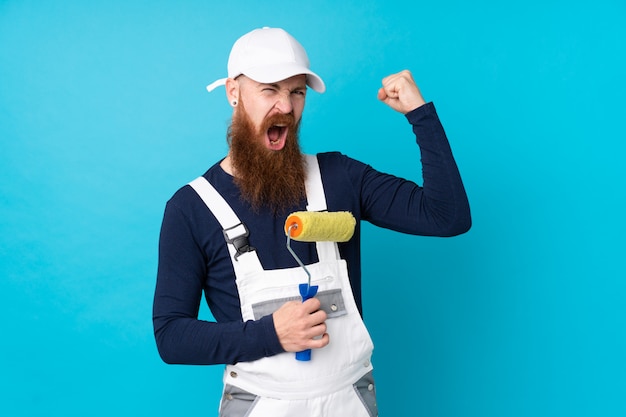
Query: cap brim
x=315, y=82
x=272, y=74
x=216, y=84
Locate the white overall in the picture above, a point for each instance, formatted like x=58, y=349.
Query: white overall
x=282, y=385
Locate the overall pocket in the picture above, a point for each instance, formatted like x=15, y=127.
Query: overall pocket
x=366, y=391
x=237, y=402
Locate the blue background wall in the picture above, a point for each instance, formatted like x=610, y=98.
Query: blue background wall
x=103, y=115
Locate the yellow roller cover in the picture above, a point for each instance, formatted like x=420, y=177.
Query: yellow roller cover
x=320, y=226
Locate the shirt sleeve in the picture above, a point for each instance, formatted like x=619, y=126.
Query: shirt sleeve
x=438, y=208
x=180, y=336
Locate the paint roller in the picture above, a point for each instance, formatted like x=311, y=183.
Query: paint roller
x=316, y=226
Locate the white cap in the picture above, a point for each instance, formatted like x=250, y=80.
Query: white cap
x=269, y=55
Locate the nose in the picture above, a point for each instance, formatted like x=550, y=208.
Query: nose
x=284, y=104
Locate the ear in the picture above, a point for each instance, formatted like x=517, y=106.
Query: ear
x=232, y=91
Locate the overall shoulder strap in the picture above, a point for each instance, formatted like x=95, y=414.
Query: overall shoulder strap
x=316, y=201
x=235, y=232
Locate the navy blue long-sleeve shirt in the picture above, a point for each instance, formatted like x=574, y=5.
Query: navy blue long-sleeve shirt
x=193, y=257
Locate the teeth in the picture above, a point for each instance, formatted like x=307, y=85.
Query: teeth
x=276, y=132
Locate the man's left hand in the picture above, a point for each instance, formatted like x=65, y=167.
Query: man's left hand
x=400, y=92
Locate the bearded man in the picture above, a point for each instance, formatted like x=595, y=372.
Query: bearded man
x=223, y=234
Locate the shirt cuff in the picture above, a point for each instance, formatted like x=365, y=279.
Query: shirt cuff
x=273, y=346
x=425, y=110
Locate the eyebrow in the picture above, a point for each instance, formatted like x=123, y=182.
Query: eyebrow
x=277, y=86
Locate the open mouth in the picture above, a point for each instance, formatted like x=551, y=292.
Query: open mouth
x=276, y=136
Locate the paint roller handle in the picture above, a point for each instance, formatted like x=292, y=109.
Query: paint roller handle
x=306, y=291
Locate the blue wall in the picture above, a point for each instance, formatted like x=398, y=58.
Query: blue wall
x=103, y=115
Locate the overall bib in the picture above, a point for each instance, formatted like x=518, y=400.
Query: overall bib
x=337, y=380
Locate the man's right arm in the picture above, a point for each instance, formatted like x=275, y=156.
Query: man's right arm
x=181, y=337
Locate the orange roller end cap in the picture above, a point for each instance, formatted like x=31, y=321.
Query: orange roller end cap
x=296, y=231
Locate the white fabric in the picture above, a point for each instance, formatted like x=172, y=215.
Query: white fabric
x=269, y=55
x=342, y=403
x=316, y=201
x=332, y=369
x=228, y=220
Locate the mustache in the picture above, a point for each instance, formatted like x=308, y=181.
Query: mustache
x=283, y=119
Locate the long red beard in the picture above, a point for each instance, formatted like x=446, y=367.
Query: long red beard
x=272, y=179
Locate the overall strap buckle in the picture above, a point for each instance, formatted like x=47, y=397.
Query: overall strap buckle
x=238, y=237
